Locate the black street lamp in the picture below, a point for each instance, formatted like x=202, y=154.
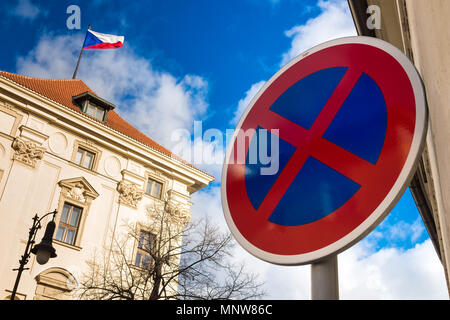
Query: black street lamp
x=43, y=251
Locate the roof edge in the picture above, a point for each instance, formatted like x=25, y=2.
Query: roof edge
x=172, y=156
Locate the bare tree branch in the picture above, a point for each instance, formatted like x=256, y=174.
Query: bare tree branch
x=188, y=261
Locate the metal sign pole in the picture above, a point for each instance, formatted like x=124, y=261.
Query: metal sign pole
x=324, y=279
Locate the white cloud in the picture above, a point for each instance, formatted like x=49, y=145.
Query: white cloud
x=205, y=154
x=392, y=233
x=27, y=10
x=244, y=102
x=403, y=230
x=53, y=57
x=207, y=203
x=392, y=273
x=364, y=273
x=155, y=101
x=335, y=21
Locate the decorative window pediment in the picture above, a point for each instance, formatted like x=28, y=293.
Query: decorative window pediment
x=78, y=189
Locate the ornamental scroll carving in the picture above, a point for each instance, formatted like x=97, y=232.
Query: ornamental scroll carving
x=76, y=192
x=27, y=152
x=129, y=194
x=169, y=212
x=178, y=213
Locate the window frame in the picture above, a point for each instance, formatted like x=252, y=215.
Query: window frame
x=85, y=152
x=86, y=98
x=142, y=252
x=67, y=226
x=96, y=109
x=88, y=148
x=154, y=183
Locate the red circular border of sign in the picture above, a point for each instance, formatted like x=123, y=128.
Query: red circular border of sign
x=399, y=96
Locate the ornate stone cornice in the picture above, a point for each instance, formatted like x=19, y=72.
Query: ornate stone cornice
x=27, y=152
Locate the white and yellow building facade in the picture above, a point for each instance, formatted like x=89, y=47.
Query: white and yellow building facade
x=63, y=147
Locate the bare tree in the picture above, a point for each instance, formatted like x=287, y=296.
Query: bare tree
x=177, y=259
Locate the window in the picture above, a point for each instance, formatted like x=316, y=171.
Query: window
x=86, y=155
x=154, y=188
x=93, y=105
x=85, y=158
x=146, y=244
x=75, y=199
x=69, y=223
x=95, y=111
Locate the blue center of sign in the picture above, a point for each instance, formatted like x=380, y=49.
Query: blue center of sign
x=359, y=127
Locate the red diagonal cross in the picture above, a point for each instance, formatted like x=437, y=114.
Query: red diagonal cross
x=311, y=143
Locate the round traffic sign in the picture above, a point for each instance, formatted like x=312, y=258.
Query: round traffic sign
x=324, y=151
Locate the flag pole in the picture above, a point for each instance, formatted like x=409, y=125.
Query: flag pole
x=79, y=58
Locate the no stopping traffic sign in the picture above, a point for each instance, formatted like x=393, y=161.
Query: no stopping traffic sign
x=350, y=117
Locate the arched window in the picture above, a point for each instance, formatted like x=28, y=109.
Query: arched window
x=54, y=284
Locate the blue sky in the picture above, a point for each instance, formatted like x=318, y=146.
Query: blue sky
x=221, y=41
x=203, y=60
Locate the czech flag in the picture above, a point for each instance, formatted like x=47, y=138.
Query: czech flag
x=96, y=40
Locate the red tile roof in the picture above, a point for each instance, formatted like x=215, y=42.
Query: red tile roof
x=62, y=91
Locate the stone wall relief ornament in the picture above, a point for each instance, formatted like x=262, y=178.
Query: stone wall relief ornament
x=112, y=166
x=178, y=212
x=7, y=105
x=58, y=143
x=76, y=192
x=129, y=193
x=27, y=152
